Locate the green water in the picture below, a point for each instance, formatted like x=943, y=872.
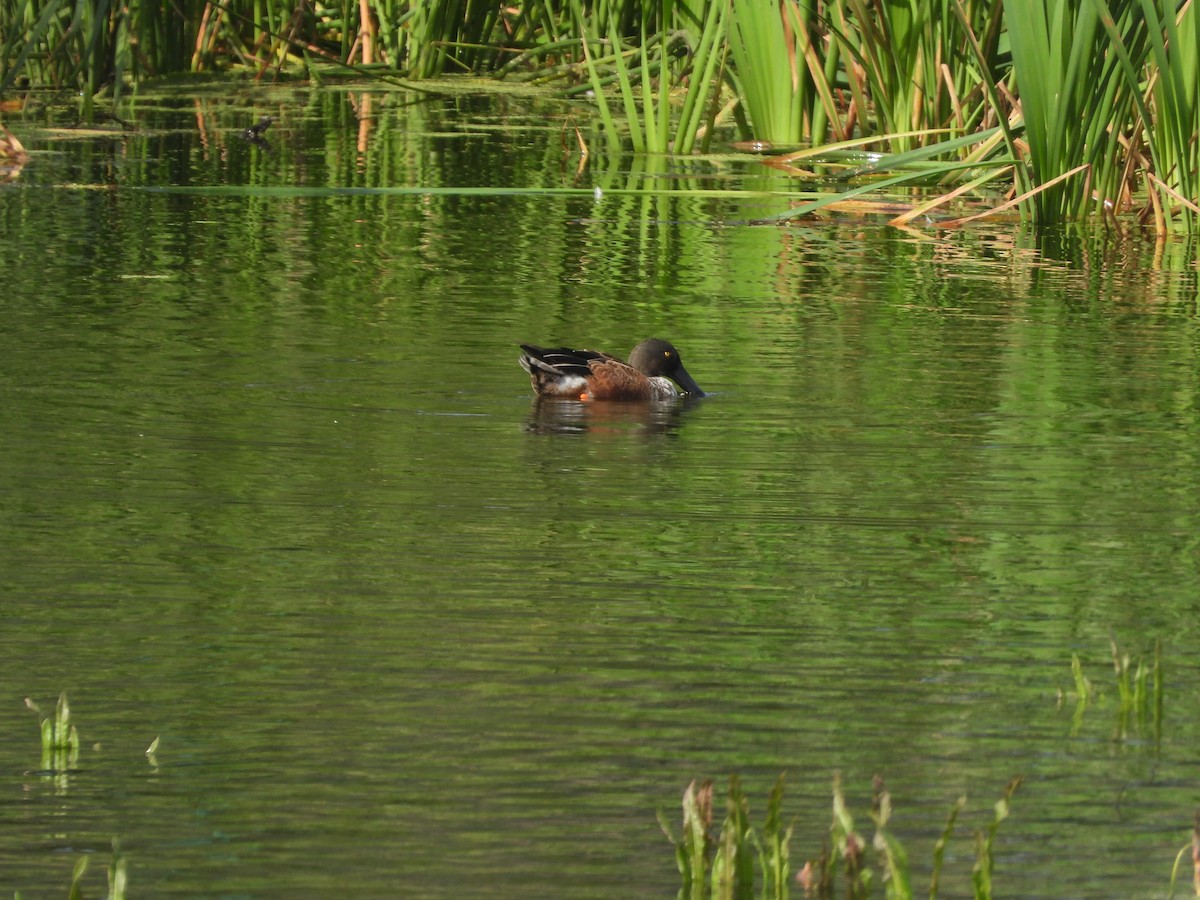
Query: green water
x=274, y=491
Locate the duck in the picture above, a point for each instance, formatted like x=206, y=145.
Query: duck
x=654, y=372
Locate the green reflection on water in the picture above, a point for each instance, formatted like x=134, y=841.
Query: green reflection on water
x=275, y=490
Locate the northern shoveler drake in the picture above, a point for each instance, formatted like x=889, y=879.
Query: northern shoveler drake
x=590, y=375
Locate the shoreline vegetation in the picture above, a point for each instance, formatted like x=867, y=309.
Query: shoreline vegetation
x=1064, y=110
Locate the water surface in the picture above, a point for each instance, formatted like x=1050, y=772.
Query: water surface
x=275, y=491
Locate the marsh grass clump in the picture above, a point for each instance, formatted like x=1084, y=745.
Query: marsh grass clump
x=117, y=878
x=60, y=739
x=60, y=757
x=1139, y=693
x=721, y=864
x=1140, y=690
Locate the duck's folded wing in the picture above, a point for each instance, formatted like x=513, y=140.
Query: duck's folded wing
x=559, y=360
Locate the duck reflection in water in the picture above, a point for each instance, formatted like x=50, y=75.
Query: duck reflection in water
x=553, y=415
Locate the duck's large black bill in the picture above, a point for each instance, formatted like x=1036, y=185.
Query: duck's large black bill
x=687, y=382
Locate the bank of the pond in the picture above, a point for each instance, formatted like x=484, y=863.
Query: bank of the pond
x=1051, y=99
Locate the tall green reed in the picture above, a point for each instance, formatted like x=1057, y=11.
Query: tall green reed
x=453, y=35
x=1169, y=113
x=94, y=45
x=896, y=45
x=907, y=66
x=681, y=59
x=1076, y=105
x=775, y=48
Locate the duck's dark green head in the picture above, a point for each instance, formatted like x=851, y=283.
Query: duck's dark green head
x=655, y=357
